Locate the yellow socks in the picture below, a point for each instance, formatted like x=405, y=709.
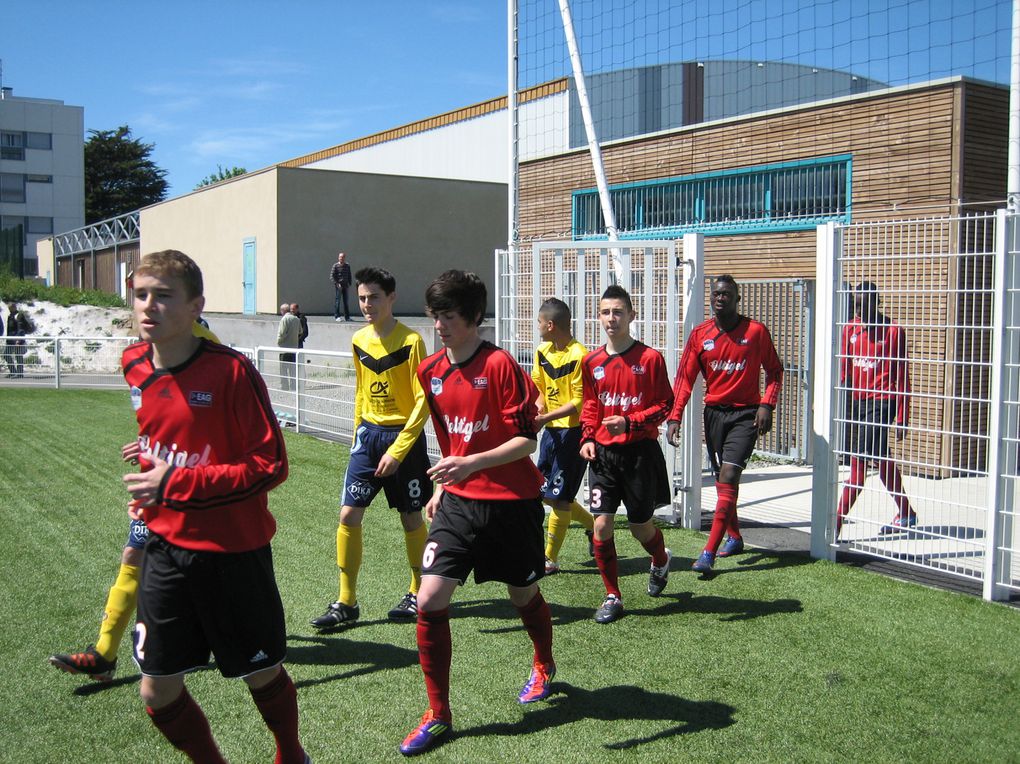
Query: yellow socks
x=120, y=605
x=415, y=543
x=559, y=522
x=583, y=516
x=348, y=558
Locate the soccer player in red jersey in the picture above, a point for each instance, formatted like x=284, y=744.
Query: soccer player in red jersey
x=626, y=398
x=485, y=514
x=210, y=450
x=873, y=362
x=99, y=661
x=729, y=350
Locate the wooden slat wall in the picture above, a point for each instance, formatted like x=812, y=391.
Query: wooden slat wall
x=915, y=153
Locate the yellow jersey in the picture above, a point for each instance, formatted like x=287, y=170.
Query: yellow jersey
x=388, y=391
x=204, y=332
x=557, y=374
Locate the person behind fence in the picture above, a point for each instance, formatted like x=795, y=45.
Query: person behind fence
x=287, y=335
x=486, y=513
x=557, y=374
x=389, y=451
x=626, y=398
x=210, y=451
x=99, y=661
x=303, y=334
x=873, y=365
x=15, y=349
x=729, y=350
x=340, y=275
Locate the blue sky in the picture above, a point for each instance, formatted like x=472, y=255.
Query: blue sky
x=225, y=82
x=252, y=83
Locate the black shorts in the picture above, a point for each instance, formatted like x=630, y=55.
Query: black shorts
x=408, y=489
x=730, y=435
x=499, y=540
x=560, y=462
x=634, y=474
x=191, y=604
x=870, y=420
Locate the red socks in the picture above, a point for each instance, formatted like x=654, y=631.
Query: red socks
x=185, y=726
x=605, y=558
x=893, y=482
x=277, y=702
x=435, y=649
x=538, y=621
x=656, y=547
x=725, y=505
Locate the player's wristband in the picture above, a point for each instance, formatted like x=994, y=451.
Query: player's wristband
x=768, y=406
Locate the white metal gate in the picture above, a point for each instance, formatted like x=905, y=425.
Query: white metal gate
x=950, y=286
x=578, y=273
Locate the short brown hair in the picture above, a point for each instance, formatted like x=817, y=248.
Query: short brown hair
x=171, y=263
x=457, y=292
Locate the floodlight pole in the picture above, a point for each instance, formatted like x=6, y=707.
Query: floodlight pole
x=593, y=142
x=1013, y=156
x=513, y=201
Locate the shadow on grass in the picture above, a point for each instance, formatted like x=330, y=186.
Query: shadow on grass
x=93, y=687
x=670, y=603
x=621, y=703
x=359, y=657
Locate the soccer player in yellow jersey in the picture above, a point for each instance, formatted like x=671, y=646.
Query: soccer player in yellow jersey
x=388, y=452
x=99, y=661
x=557, y=375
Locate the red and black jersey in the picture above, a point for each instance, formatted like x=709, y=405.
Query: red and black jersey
x=731, y=363
x=873, y=361
x=633, y=384
x=211, y=419
x=476, y=406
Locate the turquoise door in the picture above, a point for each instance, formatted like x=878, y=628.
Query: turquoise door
x=249, y=277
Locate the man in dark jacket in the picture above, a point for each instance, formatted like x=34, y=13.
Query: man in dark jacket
x=14, y=353
x=303, y=334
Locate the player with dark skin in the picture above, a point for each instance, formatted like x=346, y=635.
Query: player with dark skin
x=724, y=306
x=730, y=351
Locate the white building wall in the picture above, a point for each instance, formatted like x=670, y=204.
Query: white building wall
x=475, y=149
x=544, y=126
x=471, y=150
x=63, y=200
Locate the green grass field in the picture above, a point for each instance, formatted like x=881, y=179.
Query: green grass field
x=776, y=658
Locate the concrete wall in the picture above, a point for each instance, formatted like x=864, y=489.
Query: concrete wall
x=415, y=227
x=211, y=225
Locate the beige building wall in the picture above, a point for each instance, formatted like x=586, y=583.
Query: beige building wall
x=47, y=266
x=211, y=225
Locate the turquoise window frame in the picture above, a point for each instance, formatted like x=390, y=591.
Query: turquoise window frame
x=698, y=186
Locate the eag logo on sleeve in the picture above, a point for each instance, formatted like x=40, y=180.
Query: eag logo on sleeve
x=437, y=385
x=200, y=399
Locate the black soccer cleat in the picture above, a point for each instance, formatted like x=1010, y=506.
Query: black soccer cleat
x=88, y=662
x=657, y=577
x=338, y=614
x=611, y=610
x=406, y=609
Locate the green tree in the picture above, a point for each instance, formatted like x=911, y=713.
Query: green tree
x=221, y=174
x=120, y=175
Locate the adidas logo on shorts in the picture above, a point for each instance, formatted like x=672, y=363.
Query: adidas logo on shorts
x=259, y=656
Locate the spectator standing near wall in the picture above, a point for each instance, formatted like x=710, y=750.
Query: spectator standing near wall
x=14, y=353
x=341, y=277
x=287, y=337
x=303, y=335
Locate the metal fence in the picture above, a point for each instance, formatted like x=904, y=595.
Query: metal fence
x=314, y=393
x=933, y=302
x=785, y=307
